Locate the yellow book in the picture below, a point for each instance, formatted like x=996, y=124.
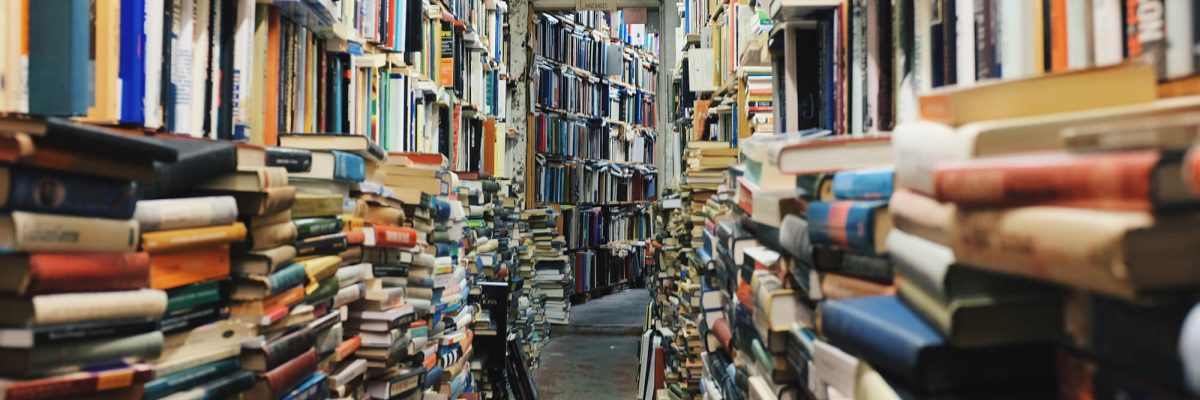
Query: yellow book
x=1040, y=95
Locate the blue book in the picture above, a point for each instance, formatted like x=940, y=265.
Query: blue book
x=286, y=278
x=133, y=61
x=225, y=387
x=846, y=225
x=896, y=342
x=867, y=184
x=52, y=192
x=188, y=378
x=60, y=38
x=348, y=167
x=311, y=388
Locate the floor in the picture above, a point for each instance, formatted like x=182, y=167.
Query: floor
x=595, y=357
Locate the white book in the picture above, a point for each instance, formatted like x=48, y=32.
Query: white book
x=1014, y=54
x=923, y=41
x=243, y=64
x=1178, y=18
x=1107, y=34
x=1079, y=34
x=965, y=41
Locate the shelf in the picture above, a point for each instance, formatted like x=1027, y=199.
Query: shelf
x=562, y=157
x=608, y=204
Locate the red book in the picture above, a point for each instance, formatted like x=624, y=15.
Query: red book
x=47, y=273
x=421, y=158
x=76, y=384
x=395, y=236
x=1130, y=180
x=276, y=382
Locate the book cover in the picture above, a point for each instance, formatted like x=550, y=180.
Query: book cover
x=182, y=213
x=57, y=233
x=49, y=273
x=187, y=379
x=868, y=184
x=175, y=268
x=82, y=383
x=889, y=336
x=859, y=226
x=31, y=189
x=59, y=43
x=192, y=238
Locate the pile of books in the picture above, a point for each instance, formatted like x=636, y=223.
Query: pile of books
x=552, y=268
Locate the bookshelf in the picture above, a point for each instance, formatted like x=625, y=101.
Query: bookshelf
x=592, y=137
x=285, y=178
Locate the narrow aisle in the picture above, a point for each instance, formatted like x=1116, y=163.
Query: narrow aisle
x=595, y=357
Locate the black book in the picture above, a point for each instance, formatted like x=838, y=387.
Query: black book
x=331, y=244
x=34, y=336
x=196, y=161
x=190, y=318
x=85, y=138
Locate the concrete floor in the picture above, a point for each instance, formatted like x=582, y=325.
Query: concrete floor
x=596, y=356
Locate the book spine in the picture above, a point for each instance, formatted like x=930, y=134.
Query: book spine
x=322, y=206
x=311, y=389
x=178, y=268
x=146, y=346
x=1110, y=180
x=191, y=377
x=195, y=295
x=64, y=308
x=1057, y=244
x=390, y=236
x=1108, y=32
x=863, y=185
x=309, y=227
x=836, y=286
x=180, y=239
x=51, y=273
x=288, y=347
x=348, y=167
x=1146, y=35
x=53, y=334
x=75, y=384
x=326, y=290
x=290, y=373
x=874, y=268
x=848, y=225
x=48, y=232
x=322, y=245
x=187, y=319
x=69, y=194
x=286, y=278
x=170, y=214
x=270, y=237
x=294, y=160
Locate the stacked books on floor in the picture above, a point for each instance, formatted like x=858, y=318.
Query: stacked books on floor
x=552, y=276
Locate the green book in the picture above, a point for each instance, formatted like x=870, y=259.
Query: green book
x=310, y=227
x=326, y=290
x=196, y=294
x=984, y=320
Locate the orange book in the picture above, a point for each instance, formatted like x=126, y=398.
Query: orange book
x=346, y=349
x=178, y=268
x=1058, y=36
x=179, y=239
x=421, y=158
x=489, y=146
x=355, y=237
x=270, y=132
x=287, y=298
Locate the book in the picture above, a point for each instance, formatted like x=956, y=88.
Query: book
x=262, y=262
x=50, y=273
x=1040, y=95
x=1121, y=253
x=860, y=226
x=248, y=181
x=294, y=160
x=43, y=191
x=869, y=184
x=1131, y=180
x=316, y=205
x=77, y=307
x=334, y=165
x=26, y=362
x=276, y=382
x=182, y=213
x=260, y=354
x=358, y=144
x=255, y=287
x=222, y=387
x=47, y=335
x=196, y=161
x=886, y=334
x=58, y=73
x=82, y=383
x=191, y=238
x=163, y=386
x=24, y=231
x=827, y=155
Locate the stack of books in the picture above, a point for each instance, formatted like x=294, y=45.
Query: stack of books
x=553, y=276
x=79, y=298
